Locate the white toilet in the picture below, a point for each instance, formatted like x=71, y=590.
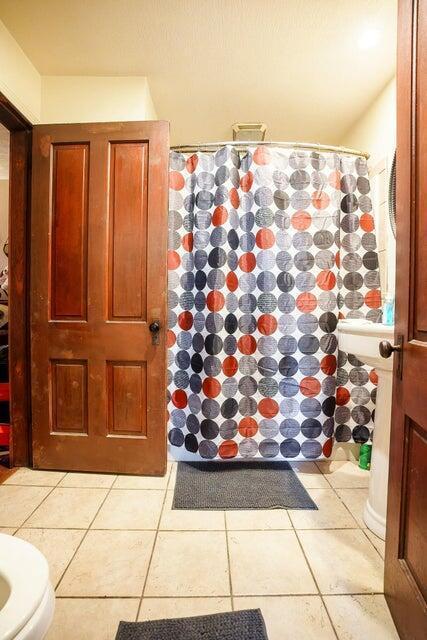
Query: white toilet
x=362, y=339
x=27, y=599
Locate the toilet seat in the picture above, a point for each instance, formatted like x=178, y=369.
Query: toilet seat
x=26, y=571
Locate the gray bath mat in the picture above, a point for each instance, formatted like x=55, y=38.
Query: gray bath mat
x=236, y=625
x=239, y=485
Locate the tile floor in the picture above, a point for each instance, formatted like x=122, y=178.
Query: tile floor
x=117, y=550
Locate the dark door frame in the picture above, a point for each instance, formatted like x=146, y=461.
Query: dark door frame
x=19, y=218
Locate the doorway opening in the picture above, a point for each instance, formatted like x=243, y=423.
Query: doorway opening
x=15, y=141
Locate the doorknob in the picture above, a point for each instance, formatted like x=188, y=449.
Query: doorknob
x=386, y=348
x=154, y=326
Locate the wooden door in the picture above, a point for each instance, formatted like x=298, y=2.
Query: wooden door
x=406, y=538
x=98, y=281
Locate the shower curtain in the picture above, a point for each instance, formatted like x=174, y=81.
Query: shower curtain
x=267, y=250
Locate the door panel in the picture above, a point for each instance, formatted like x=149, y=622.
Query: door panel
x=406, y=541
x=98, y=279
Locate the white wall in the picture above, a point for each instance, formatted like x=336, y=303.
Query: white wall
x=20, y=81
x=95, y=99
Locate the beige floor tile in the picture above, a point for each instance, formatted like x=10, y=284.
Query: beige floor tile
x=109, y=564
x=88, y=480
x=310, y=475
x=68, y=509
x=331, y=513
x=58, y=546
x=90, y=619
x=343, y=561
x=130, y=509
x=291, y=617
x=268, y=563
x=143, y=482
x=343, y=474
x=355, y=500
x=189, y=520
x=361, y=617
x=376, y=541
x=257, y=519
x=34, y=478
x=17, y=503
x=157, y=608
x=189, y=563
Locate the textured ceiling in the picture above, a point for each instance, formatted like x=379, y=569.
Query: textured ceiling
x=4, y=153
x=293, y=64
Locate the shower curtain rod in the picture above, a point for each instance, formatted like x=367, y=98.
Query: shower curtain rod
x=210, y=146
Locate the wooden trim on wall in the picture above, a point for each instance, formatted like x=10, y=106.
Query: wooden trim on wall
x=19, y=198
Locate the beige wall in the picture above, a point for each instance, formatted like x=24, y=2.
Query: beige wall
x=95, y=99
x=375, y=130
x=20, y=81
x=69, y=98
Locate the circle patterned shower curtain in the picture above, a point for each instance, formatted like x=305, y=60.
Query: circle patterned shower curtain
x=267, y=250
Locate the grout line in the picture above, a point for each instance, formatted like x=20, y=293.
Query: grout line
x=225, y=595
x=316, y=583
x=152, y=550
x=227, y=544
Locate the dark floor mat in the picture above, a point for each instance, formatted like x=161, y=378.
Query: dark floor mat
x=235, y=625
x=239, y=485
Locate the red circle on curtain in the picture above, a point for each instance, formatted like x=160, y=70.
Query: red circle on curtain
x=215, y=300
x=310, y=386
x=326, y=280
x=306, y=302
x=170, y=338
x=334, y=179
x=267, y=324
x=247, y=262
x=373, y=376
x=187, y=242
x=367, y=222
x=301, y=220
x=248, y=427
x=229, y=366
x=176, y=180
x=320, y=199
x=185, y=320
x=220, y=216
x=338, y=259
x=211, y=387
x=234, y=197
x=246, y=344
x=262, y=155
x=228, y=449
x=327, y=448
x=373, y=299
x=173, y=260
x=246, y=181
x=268, y=407
x=192, y=163
x=342, y=396
x=231, y=281
x=328, y=364
x=179, y=398
x=265, y=238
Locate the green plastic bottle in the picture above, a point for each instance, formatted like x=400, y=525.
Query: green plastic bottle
x=365, y=456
